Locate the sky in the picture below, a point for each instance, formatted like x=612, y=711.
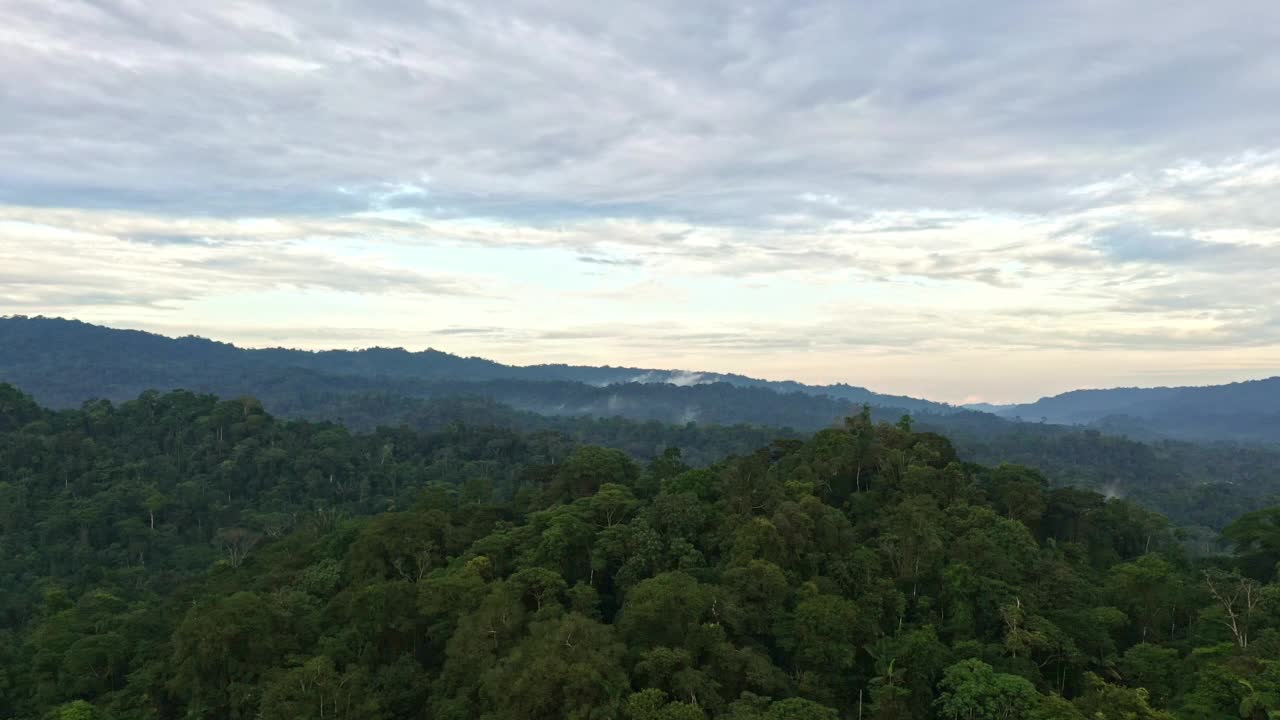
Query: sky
x=989, y=200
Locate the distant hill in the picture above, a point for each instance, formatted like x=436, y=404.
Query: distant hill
x=63, y=363
x=1238, y=411
x=132, y=360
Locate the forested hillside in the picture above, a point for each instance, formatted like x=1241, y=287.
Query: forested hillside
x=1203, y=485
x=1196, y=484
x=63, y=363
x=1248, y=411
x=181, y=557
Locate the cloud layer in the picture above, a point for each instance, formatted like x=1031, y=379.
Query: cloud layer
x=902, y=195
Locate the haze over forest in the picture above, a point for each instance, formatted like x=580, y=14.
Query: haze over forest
x=569, y=360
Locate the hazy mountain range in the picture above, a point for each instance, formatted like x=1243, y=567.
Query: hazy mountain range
x=59, y=343
x=1242, y=411
x=65, y=362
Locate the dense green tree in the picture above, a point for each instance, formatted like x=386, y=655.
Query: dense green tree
x=1105, y=701
x=1157, y=669
x=1256, y=537
x=568, y=667
x=180, y=557
x=1149, y=590
x=972, y=690
x=315, y=689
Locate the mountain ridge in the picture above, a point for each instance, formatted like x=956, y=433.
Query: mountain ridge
x=428, y=364
x=65, y=362
x=1248, y=409
x=72, y=363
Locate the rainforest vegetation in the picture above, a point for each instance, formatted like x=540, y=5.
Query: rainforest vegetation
x=1201, y=485
x=179, y=556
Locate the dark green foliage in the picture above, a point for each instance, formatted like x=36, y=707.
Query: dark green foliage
x=1236, y=411
x=1196, y=484
x=181, y=557
x=644, y=412
x=1256, y=537
x=65, y=361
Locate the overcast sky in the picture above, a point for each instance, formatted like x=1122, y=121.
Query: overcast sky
x=979, y=200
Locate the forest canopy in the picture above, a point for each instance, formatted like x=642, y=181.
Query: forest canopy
x=180, y=556
x=1206, y=483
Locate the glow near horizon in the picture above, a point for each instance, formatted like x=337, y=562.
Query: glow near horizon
x=974, y=204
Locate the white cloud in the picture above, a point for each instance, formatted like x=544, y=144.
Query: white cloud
x=814, y=181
